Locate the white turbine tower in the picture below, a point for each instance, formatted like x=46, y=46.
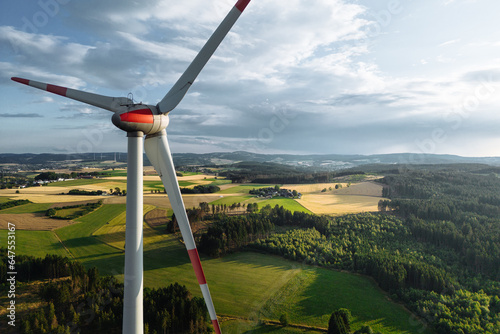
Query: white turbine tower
x=139, y=120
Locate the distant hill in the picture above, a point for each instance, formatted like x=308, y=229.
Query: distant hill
x=318, y=161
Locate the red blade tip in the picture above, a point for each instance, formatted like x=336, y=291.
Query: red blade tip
x=20, y=80
x=242, y=4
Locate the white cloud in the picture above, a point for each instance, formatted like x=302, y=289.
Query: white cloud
x=313, y=59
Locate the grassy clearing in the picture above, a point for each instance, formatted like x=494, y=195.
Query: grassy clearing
x=117, y=172
x=229, y=200
x=69, y=212
x=333, y=290
x=35, y=243
x=244, y=188
x=28, y=208
x=186, y=183
x=76, y=183
x=219, y=182
x=153, y=185
x=287, y=203
x=4, y=199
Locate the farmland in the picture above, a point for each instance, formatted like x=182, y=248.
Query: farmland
x=246, y=286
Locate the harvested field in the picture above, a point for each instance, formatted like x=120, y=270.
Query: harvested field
x=49, y=195
x=32, y=222
x=337, y=205
x=156, y=217
x=361, y=189
x=311, y=188
x=359, y=197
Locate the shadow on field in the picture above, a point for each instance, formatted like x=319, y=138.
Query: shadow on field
x=257, y=259
x=263, y=329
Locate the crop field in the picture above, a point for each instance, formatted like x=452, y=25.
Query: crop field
x=4, y=199
x=32, y=221
x=361, y=197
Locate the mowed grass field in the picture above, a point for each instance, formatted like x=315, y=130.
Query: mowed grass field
x=35, y=243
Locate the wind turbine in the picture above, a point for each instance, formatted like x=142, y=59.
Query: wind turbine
x=137, y=120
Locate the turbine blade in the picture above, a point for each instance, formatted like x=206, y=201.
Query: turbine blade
x=100, y=101
x=180, y=88
x=158, y=152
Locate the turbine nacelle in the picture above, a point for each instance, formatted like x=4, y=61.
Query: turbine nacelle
x=140, y=117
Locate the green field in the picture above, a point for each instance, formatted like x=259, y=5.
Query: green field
x=87, y=248
x=219, y=182
x=35, y=243
x=29, y=208
x=4, y=199
x=229, y=200
x=243, y=189
x=79, y=182
x=287, y=203
x=119, y=172
x=70, y=212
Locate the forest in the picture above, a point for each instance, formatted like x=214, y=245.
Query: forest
x=273, y=173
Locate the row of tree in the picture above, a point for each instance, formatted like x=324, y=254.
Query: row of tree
x=11, y=204
x=201, y=189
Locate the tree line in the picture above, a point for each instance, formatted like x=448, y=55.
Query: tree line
x=273, y=173
x=11, y=204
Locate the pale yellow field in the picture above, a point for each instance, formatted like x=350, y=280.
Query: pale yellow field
x=359, y=197
x=48, y=194
x=312, y=188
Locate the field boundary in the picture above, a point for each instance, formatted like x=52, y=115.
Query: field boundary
x=227, y=317
x=64, y=246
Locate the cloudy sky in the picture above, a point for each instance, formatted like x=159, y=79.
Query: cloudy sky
x=295, y=76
